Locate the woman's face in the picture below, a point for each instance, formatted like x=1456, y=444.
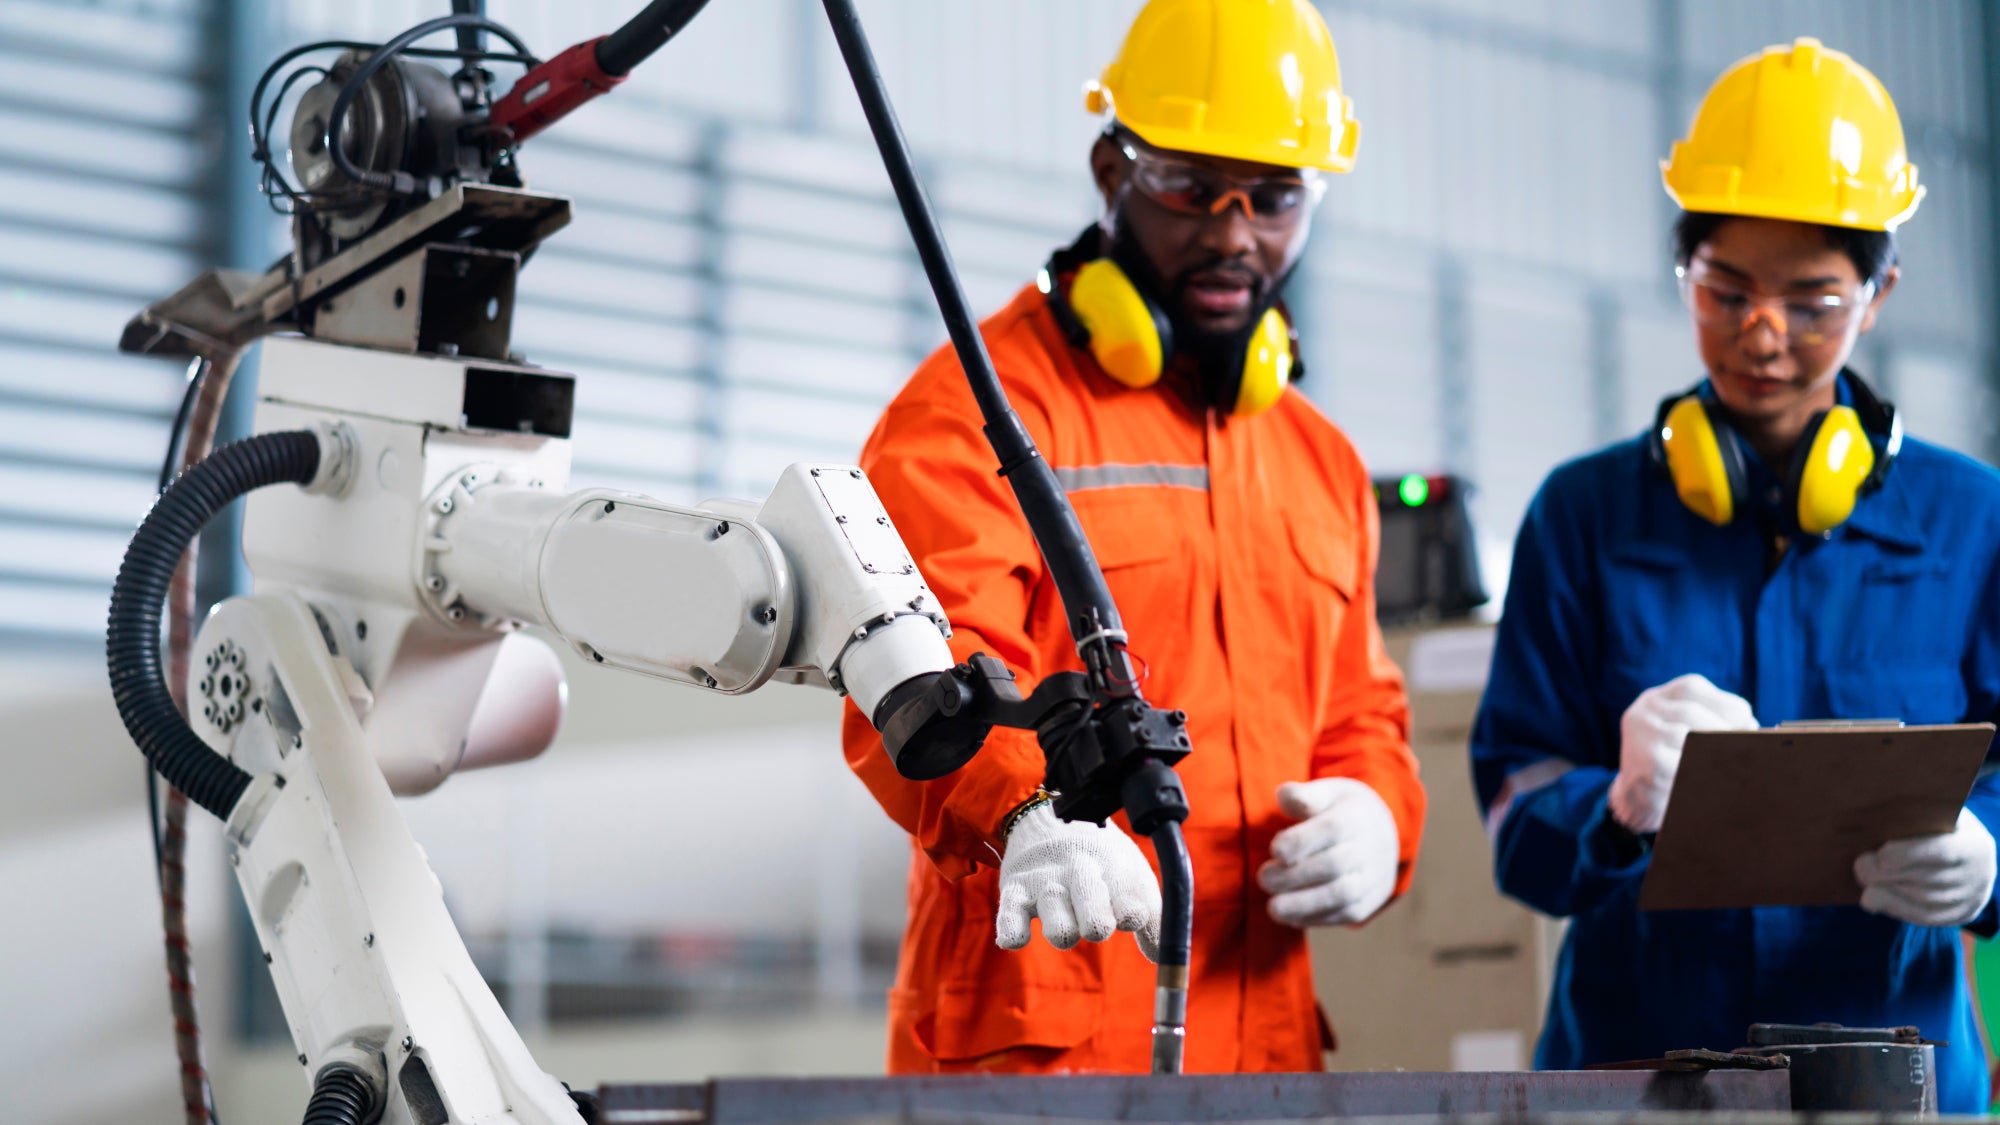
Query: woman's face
x=1776, y=312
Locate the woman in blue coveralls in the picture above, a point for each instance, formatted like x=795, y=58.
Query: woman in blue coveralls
x=1772, y=550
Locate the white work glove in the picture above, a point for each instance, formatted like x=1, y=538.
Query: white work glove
x=1082, y=880
x=1338, y=864
x=1940, y=880
x=1650, y=739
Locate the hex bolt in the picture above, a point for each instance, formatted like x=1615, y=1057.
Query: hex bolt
x=369, y=941
x=456, y=613
x=267, y=958
x=610, y=507
x=444, y=505
x=768, y=615
x=883, y=520
x=861, y=633
x=840, y=519
x=302, y=1059
x=434, y=583
x=855, y=473
x=409, y=1042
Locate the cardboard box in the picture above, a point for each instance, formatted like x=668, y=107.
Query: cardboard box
x=1453, y=976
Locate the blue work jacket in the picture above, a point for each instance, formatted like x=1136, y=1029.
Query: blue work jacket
x=1617, y=587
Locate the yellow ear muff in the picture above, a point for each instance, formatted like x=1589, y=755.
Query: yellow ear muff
x=1837, y=458
x=1267, y=365
x=1695, y=461
x=1124, y=333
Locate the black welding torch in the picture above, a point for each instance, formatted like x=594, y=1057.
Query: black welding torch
x=1121, y=755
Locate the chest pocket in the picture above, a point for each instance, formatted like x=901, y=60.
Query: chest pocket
x=1152, y=559
x=1921, y=693
x=1310, y=592
x=1902, y=609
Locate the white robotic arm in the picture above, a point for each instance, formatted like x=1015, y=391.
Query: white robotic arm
x=382, y=651
x=813, y=586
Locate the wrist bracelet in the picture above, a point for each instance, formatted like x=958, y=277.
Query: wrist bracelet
x=1041, y=797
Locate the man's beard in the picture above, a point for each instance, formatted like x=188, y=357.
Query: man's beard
x=1217, y=354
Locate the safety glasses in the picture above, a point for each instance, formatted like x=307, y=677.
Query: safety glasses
x=1189, y=188
x=1810, y=319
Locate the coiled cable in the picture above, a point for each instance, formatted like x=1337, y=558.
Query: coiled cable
x=132, y=636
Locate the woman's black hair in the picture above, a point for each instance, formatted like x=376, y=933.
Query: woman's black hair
x=1873, y=252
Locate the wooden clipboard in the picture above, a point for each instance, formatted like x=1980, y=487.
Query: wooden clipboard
x=1777, y=817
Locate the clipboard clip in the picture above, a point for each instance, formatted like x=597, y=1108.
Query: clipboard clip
x=1838, y=724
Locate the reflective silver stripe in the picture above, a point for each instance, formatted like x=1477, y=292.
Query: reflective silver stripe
x=1519, y=784
x=1085, y=477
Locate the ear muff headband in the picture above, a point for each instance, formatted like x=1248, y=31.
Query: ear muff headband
x=1132, y=338
x=1701, y=458
x=1843, y=454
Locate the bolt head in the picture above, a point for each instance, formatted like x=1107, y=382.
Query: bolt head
x=444, y=505
x=302, y=1059
x=409, y=1041
x=434, y=583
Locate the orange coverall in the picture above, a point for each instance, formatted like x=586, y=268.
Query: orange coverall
x=1241, y=553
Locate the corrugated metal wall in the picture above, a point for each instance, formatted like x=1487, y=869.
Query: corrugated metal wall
x=1488, y=292
x=104, y=152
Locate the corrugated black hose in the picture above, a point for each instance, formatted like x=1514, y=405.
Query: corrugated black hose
x=340, y=1097
x=132, y=639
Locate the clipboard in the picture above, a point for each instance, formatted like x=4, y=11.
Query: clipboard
x=1777, y=817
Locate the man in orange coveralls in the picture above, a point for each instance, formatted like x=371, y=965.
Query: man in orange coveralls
x=1237, y=529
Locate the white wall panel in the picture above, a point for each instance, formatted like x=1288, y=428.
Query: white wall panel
x=1944, y=398
x=1657, y=358
x=1530, y=381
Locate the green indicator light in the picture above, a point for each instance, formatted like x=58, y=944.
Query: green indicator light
x=1414, y=490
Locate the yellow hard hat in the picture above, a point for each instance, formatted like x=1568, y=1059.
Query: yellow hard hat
x=1799, y=132
x=1243, y=79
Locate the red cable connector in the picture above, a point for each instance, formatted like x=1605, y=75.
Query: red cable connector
x=549, y=92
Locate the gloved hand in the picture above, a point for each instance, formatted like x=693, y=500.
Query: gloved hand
x=1081, y=879
x=1338, y=864
x=1650, y=738
x=1930, y=880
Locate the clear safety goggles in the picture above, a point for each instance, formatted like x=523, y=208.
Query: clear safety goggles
x=1808, y=319
x=1188, y=188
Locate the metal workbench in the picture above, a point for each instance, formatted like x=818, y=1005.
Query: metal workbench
x=1190, y=1098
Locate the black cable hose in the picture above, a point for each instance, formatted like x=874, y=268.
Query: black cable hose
x=132, y=636
x=340, y=1097
x=1176, y=895
x=627, y=47
x=1079, y=581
